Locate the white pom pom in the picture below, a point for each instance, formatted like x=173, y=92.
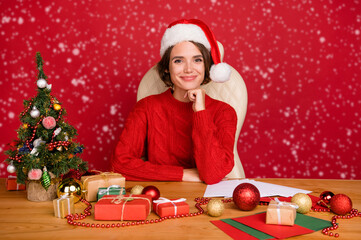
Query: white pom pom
x=220, y=72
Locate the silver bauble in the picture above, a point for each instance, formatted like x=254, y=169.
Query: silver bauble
x=11, y=168
x=34, y=113
x=41, y=83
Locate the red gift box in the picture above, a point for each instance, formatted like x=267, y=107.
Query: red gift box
x=123, y=207
x=13, y=185
x=165, y=207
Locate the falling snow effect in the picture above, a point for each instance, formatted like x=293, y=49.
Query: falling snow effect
x=300, y=61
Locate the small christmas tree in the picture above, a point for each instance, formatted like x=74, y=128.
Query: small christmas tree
x=45, y=141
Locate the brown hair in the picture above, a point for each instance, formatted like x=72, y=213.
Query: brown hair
x=163, y=65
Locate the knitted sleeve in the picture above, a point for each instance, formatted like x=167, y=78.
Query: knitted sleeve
x=128, y=153
x=213, y=140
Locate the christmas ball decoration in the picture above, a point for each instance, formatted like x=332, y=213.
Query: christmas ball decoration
x=41, y=83
x=37, y=142
x=35, y=174
x=45, y=179
x=151, y=191
x=34, y=113
x=341, y=204
x=25, y=126
x=303, y=201
x=246, y=196
x=70, y=187
x=215, y=207
x=11, y=168
x=57, y=107
x=49, y=122
x=137, y=190
x=326, y=196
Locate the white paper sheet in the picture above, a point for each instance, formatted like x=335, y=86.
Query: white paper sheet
x=226, y=188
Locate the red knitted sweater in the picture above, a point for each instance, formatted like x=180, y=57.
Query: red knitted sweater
x=163, y=135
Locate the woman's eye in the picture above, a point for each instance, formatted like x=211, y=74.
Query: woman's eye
x=177, y=61
x=199, y=60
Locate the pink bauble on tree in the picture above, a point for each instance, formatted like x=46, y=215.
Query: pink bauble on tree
x=341, y=204
x=151, y=191
x=246, y=196
x=49, y=122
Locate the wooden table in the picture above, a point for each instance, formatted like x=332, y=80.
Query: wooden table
x=22, y=219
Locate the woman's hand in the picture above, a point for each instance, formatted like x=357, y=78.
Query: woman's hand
x=198, y=97
x=191, y=175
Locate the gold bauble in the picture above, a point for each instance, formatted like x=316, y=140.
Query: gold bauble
x=57, y=107
x=215, y=207
x=71, y=187
x=25, y=126
x=303, y=201
x=137, y=190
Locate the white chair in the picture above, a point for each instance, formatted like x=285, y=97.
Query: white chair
x=233, y=92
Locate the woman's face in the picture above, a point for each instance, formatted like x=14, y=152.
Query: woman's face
x=186, y=67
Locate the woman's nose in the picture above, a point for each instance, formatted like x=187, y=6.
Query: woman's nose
x=188, y=67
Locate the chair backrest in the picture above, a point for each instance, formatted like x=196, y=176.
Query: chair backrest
x=233, y=92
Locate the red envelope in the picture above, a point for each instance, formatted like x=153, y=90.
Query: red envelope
x=258, y=221
x=233, y=232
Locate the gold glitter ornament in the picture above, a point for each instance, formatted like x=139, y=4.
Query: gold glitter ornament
x=215, y=207
x=57, y=107
x=303, y=201
x=71, y=187
x=137, y=190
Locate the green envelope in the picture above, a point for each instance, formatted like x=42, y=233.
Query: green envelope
x=112, y=190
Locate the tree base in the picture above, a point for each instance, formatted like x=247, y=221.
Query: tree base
x=37, y=193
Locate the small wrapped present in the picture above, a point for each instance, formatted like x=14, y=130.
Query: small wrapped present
x=13, y=185
x=123, y=207
x=111, y=190
x=92, y=183
x=281, y=213
x=63, y=206
x=165, y=207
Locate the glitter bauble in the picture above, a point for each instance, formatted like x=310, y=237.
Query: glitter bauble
x=49, y=122
x=215, y=207
x=303, y=202
x=326, y=196
x=137, y=190
x=41, y=83
x=246, y=196
x=70, y=187
x=341, y=204
x=151, y=191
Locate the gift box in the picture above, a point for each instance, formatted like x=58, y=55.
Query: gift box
x=111, y=190
x=13, y=185
x=63, y=206
x=165, y=207
x=281, y=213
x=123, y=207
x=92, y=183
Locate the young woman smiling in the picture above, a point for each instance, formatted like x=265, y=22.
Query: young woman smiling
x=181, y=134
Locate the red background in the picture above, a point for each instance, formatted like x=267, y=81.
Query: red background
x=300, y=60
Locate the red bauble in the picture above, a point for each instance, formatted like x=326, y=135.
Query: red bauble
x=326, y=196
x=246, y=196
x=151, y=191
x=341, y=204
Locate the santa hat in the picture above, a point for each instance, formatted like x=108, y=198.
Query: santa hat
x=197, y=31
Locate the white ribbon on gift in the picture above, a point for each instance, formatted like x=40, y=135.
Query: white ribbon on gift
x=58, y=203
x=279, y=204
x=162, y=200
x=106, y=191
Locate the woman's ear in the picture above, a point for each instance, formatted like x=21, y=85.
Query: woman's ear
x=166, y=71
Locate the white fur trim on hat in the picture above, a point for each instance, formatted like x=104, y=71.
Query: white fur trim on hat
x=220, y=72
x=183, y=32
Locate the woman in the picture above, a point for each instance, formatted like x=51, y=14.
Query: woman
x=181, y=134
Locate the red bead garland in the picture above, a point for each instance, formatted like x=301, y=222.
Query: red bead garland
x=326, y=231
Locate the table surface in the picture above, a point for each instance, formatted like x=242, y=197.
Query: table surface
x=22, y=219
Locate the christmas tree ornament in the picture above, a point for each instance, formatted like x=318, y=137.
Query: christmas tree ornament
x=57, y=107
x=11, y=168
x=34, y=151
x=215, y=207
x=341, y=204
x=35, y=174
x=48, y=86
x=246, y=196
x=45, y=179
x=34, y=113
x=49, y=122
x=25, y=126
x=151, y=191
x=326, y=196
x=303, y=201
x=41, y=83
x=137, y=190
x=57, y=131
x=70, y=187
x=37, y=142
x=60, y=148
